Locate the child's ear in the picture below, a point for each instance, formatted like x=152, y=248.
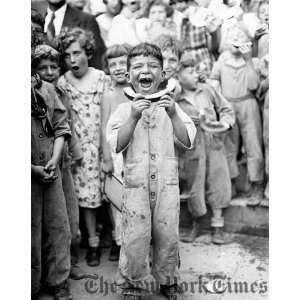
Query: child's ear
x=127, y=77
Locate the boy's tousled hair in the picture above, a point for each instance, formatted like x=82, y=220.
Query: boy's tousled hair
x=145, y=49
x=44, y=52
x=168, y=42
x=69, y=36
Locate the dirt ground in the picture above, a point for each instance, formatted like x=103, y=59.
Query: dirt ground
x=238, y=271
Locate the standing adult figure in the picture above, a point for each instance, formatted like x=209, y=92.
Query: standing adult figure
x=60, y=14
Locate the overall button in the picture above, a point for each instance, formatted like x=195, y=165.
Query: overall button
x=152, y=194
x=152, y=176
x=41, y=135
x=152, y=156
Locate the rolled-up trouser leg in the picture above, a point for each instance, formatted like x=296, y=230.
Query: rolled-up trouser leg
x=57, y=234
x=36, y=234
x=72, y=210
x=251, y=131
x=166, y=235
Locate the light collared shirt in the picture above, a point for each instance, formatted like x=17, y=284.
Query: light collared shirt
x=58, y=19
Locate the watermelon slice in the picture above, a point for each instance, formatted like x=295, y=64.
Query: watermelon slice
x=210, y=125
x=170, y=88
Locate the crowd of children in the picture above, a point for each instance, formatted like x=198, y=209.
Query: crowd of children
x=160, y=142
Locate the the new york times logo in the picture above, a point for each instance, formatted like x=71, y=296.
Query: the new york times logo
x=218, y=285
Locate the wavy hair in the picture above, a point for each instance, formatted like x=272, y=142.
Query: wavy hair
x=69, y=36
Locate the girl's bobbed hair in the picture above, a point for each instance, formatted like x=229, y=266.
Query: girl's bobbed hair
x=69, y=36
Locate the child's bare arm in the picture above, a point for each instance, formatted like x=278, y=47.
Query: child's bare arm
x=40, y=173
x=139, y=104
x=47, y=173
x=179, y=128
x=57, y=151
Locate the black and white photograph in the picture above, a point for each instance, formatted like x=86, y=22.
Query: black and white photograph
x=149, y=149
x=140, y=171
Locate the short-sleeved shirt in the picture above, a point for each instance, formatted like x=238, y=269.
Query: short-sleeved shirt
x=236, y=81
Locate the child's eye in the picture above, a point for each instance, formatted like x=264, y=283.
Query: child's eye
x=42, y=69
x=136, y=67
x=154, y=66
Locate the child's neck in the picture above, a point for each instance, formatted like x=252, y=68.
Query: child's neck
x=237, y=56
x=109, y=15
x=120, y=86
x=83, y=82
x=188, y=94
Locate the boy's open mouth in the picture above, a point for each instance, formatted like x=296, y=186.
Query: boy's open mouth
x=75, y=68
x=146, y=82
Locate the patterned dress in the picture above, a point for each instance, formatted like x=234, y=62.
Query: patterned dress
x=86, y=119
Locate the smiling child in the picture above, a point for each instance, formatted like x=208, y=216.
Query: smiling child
x=147, y=134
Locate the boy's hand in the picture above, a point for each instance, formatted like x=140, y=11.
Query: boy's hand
x=139, y=104
x=202, y=76
x=108, y=167
x=168, y=103
x=261, y=31
x=51, y=165
x=246, y=51
x=43, y=175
